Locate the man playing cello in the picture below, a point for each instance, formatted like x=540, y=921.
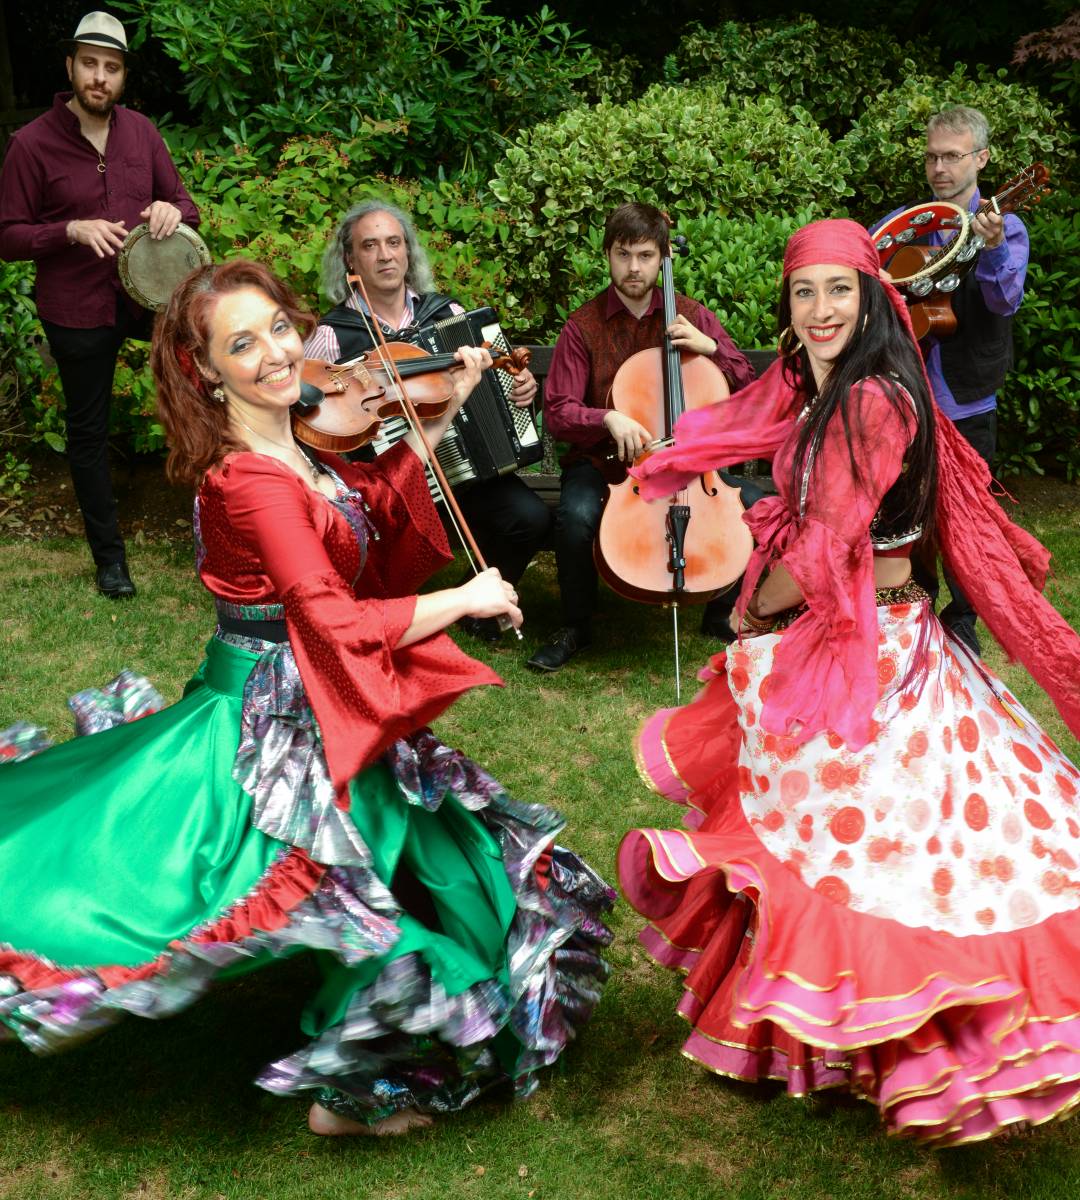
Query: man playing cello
x=597, y=339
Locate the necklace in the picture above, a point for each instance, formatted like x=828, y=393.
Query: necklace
x=313, y=470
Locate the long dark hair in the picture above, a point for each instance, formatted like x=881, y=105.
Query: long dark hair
x=882, y=349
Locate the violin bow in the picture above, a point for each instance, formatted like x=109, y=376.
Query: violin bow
x=461, y=527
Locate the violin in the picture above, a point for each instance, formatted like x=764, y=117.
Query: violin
x=342, y=405
x=388, y=362
x=695, y=544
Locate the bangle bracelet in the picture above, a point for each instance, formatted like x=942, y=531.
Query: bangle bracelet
x=758, y=624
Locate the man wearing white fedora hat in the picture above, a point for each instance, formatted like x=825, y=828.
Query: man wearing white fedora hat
x=75, y=181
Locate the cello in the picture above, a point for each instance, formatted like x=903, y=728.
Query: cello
x=693, y=545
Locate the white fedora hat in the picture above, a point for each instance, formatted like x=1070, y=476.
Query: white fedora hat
x=101, y=29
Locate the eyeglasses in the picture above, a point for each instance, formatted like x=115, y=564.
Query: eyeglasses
x=951, y=159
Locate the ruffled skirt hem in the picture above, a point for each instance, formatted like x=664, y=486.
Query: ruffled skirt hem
x=407, y=1014
x=947, y=1048
x=851, y=920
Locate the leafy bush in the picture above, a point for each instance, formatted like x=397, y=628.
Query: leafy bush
x=29, y=407
x=685, y=149
x=281, y=214
x=1054, y=56
x=442, y=81
x=886, y=144
x=14, y=475
x=783, y=59
x=21, y=338
x=733, y=266
x=1039, y=406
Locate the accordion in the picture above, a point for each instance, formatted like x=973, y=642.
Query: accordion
x=490, y=436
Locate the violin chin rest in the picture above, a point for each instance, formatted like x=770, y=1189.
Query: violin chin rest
x=310, y=397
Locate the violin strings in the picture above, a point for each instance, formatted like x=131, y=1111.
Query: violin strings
x=464, y=534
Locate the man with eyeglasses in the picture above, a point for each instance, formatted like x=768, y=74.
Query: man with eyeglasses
x=967, y=369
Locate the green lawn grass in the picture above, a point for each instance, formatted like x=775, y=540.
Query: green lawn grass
x=165, y=1110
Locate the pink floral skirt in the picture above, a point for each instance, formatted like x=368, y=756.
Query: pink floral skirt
x=901, y=920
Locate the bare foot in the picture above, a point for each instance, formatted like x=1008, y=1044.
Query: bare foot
x=329, y=1124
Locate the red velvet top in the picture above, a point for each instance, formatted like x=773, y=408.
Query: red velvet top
x=269, y=538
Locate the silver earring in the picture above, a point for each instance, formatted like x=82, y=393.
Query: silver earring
x=219, y=394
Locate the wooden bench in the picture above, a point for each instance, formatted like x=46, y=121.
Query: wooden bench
x=545, y=481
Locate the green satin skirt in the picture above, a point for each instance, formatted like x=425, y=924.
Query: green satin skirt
x=115, y=845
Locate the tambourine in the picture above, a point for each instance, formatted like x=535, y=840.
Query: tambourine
x=921, y=269
x=151, y=269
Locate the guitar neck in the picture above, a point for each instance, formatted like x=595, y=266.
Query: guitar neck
x=1026, y=188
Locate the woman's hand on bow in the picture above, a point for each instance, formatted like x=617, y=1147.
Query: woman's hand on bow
x=485, y=595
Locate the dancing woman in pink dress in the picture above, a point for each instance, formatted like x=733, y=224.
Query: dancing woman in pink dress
x=879, y=882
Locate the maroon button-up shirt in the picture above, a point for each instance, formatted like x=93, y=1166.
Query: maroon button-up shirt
x=50, y=177
x=570, y=411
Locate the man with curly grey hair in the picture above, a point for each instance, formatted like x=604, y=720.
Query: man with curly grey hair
x=967, y=369
x=377, y=241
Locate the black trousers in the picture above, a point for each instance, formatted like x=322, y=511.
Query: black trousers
x=581, y=501
x=980, y=432
x=582, y=491
x=86, y=360
x=509, y=521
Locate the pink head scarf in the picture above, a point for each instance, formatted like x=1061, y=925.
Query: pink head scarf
x=833, y=241
x=1000, y=566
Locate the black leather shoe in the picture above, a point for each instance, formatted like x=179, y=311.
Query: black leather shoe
x=560, y=649
x=114, y=581
x=484, y=629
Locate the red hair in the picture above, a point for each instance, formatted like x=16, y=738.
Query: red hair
x=196, y=425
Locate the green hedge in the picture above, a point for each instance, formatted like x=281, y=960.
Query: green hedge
x=829, y=72
x=686, y=149
x=439, y=83
x=1039, y=406
x=736, y=171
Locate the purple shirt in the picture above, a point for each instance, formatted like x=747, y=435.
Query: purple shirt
x=569, y=418
x=1000, y=273
x=51, y=177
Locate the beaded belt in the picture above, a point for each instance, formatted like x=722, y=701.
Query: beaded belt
x=263, y=621
x=906, y=593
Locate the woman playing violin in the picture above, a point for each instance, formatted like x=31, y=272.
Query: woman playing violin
x=882, y=851
x=294, y=799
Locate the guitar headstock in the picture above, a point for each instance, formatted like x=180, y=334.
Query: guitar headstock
x=1023, y=190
